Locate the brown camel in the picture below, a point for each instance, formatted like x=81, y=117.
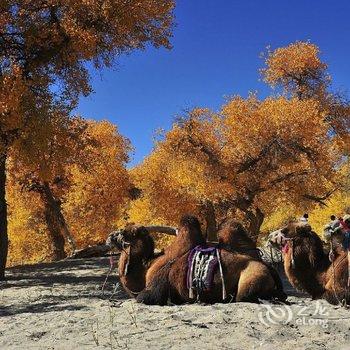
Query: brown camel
x=308, y=267
x=234, y=238
x=164, y=278
x=137, y=251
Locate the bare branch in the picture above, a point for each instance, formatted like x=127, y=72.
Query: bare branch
x=320, y=199
x=250, y=162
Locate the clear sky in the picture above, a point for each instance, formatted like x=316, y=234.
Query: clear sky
x=216, y=47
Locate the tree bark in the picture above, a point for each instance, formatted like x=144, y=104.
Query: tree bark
x=255, y=220
x=56, y=223
x=210, y=220
x=3, y=217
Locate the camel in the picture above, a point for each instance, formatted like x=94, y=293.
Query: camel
x=308, y=267
x=233, y=237
x=158, y=280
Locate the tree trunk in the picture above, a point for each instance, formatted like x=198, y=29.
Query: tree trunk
x=56, y=223
x=210, y=220
x=3, y=217
x=255, y=220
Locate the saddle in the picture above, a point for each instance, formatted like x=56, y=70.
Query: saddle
x=203, y=262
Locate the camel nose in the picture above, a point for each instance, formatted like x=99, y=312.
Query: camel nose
x=109, y=240
x=120, y=238
x=112, y=239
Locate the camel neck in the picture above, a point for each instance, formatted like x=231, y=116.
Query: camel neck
x=132, y=272
x=307, y=274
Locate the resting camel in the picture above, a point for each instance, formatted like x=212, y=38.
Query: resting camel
x=157, y=280
x=233, y=237
x=308, y=267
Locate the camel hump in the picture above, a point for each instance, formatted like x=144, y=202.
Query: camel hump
x=190, y=232
x=190, y=221
x=189, y=236
x=233, y=235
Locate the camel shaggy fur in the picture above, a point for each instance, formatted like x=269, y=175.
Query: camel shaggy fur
x=308, y=267
x=164, y=278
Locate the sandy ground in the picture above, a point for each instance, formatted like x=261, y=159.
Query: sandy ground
x=60, y=306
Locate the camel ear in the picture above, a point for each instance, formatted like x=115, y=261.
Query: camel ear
x=133, y=230
x=143, y=231
x=138, y=230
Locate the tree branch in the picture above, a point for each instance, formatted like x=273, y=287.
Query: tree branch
x=320, y=199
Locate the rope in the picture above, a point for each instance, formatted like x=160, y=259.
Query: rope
x=271, y=256
x=292, y=253
x=224, y=295
x=111, y=265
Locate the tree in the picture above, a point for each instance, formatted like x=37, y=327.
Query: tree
x=44, y=45
x=78, y=185
x=244, y=161
x=253, y=156
x=298, y=69
x=39, y=163
x=300, y=72
x=99, y=191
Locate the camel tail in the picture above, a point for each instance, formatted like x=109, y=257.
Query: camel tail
x=157, y=292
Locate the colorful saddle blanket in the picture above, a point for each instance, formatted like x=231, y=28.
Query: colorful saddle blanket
x=203, y=262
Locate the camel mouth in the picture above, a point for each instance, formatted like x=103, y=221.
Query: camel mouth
x=285, y=247
x=277, y=239
x=117, y=240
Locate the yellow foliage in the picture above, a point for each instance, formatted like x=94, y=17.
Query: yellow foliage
x=29, y=242
x=99, y=193
x=253, y=154
x=94, y=195
x=296, y=67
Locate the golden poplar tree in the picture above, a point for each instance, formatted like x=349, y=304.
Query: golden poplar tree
x=244, y=161
x=100, y=190
x=44, y=45
x=39, y=163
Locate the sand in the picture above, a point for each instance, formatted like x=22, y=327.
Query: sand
x=61, y=306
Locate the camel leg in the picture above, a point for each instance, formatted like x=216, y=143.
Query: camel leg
x=278, y=293
x=157, y=290
x=333, y=294
x=254, y=283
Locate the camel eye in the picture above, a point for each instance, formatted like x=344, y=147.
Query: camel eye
x=284, y=231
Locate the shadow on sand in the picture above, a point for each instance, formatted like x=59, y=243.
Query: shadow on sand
x=68, y=285
x=57, y=286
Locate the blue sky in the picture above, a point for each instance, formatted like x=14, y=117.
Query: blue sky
x=216, y=47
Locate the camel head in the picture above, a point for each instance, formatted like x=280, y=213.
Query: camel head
x=275, y=239
x=296, y=230
x=302, y=245
x=136, y=239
